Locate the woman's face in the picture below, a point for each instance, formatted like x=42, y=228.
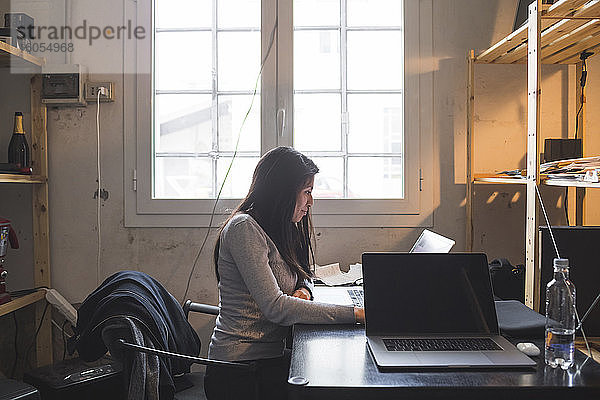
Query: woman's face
x=304, y=200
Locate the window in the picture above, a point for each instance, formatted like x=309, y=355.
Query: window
x=332, y=86
x=205, y=74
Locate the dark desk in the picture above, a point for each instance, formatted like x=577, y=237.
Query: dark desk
x=337, y=364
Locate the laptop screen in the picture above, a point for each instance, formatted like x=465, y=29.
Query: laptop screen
x=424, y=293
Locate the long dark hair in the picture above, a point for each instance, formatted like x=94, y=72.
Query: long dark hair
x=278, y=178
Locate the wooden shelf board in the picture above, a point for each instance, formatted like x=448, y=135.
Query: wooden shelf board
x=20, y=302
x=18, y=178
x=562, y=40
x=594, y=343
x=570, y=183
x=499, y=179
x=10, y=54
x=506, y=179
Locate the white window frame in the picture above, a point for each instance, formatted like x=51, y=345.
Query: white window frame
x=416, y=209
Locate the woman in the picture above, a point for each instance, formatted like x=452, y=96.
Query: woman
x=262, y=264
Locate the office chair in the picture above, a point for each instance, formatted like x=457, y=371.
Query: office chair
x=145, y=328
x=190, y=306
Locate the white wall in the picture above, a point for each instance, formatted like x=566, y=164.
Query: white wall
x=168, y=254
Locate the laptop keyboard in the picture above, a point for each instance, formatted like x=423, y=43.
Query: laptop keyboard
x=357, y=297
x=455, y=344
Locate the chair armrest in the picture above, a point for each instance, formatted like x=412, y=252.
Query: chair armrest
x=199, y=307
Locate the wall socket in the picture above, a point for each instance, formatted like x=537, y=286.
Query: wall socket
x=92, y=88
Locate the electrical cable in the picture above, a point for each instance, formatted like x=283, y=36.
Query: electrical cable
x=37, y=331
x=212, y=215
x=16, y=340
x=25, y=292
x=579, y=322
x=566, y=205
x=583, y=56
x=98, y=193
x=64, y=338
x=63, y=334
x=547, y=220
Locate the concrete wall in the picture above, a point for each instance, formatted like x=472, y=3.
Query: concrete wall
x=168, y=254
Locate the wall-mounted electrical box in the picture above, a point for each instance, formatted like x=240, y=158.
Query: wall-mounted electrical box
x=63, y=84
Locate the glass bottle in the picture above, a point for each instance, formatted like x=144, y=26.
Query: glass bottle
x=560, y=317
x=18, y=149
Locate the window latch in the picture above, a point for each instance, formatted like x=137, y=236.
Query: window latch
x=281, y=112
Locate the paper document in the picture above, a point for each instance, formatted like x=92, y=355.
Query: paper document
x=431, y=242
x=332, y=275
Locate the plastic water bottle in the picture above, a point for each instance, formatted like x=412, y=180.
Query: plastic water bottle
x=560, y=317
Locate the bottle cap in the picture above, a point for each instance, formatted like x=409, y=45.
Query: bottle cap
x=561, y=262
x=18, y=123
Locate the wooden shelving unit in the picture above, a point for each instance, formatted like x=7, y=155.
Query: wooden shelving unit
x=20, y=302
x=557, y=34
x=16, y=178
x=11, y=57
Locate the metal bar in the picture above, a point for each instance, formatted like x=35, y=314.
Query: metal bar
x=208, y=154
x=208, y=91
x=362, y=28
x=345, y=116
x=207, y=29
x=200, y=308
x=215, y=98
x=337, y=91
x=351, y=155
x=195, y=360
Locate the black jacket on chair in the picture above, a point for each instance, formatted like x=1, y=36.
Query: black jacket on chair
x=138, y=297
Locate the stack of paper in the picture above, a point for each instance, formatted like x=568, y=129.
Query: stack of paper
x=332, y=275
x=579, y=169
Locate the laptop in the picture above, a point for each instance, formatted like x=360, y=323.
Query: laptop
x=433, y=311
x=427, y=242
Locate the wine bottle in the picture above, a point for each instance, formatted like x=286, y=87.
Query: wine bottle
x=18, y=149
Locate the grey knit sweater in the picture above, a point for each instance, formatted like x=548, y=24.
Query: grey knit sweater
x=255, y=296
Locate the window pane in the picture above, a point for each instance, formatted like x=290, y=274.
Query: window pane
x=232, y=110
x=238, y=13
x=183, y=123
x=329, y=182
x=317, y=122
x=183, y=13
x=374, y=13
x=375, y=177
x=183, y=178
x=375, y=123
x=239, y=178
x=375, y=60
x=328, y=12
x=183, y=60
x=238, y=60
x=316, y=60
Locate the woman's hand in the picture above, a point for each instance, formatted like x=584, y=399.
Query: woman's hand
x=302, y=293
x=359, y=315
